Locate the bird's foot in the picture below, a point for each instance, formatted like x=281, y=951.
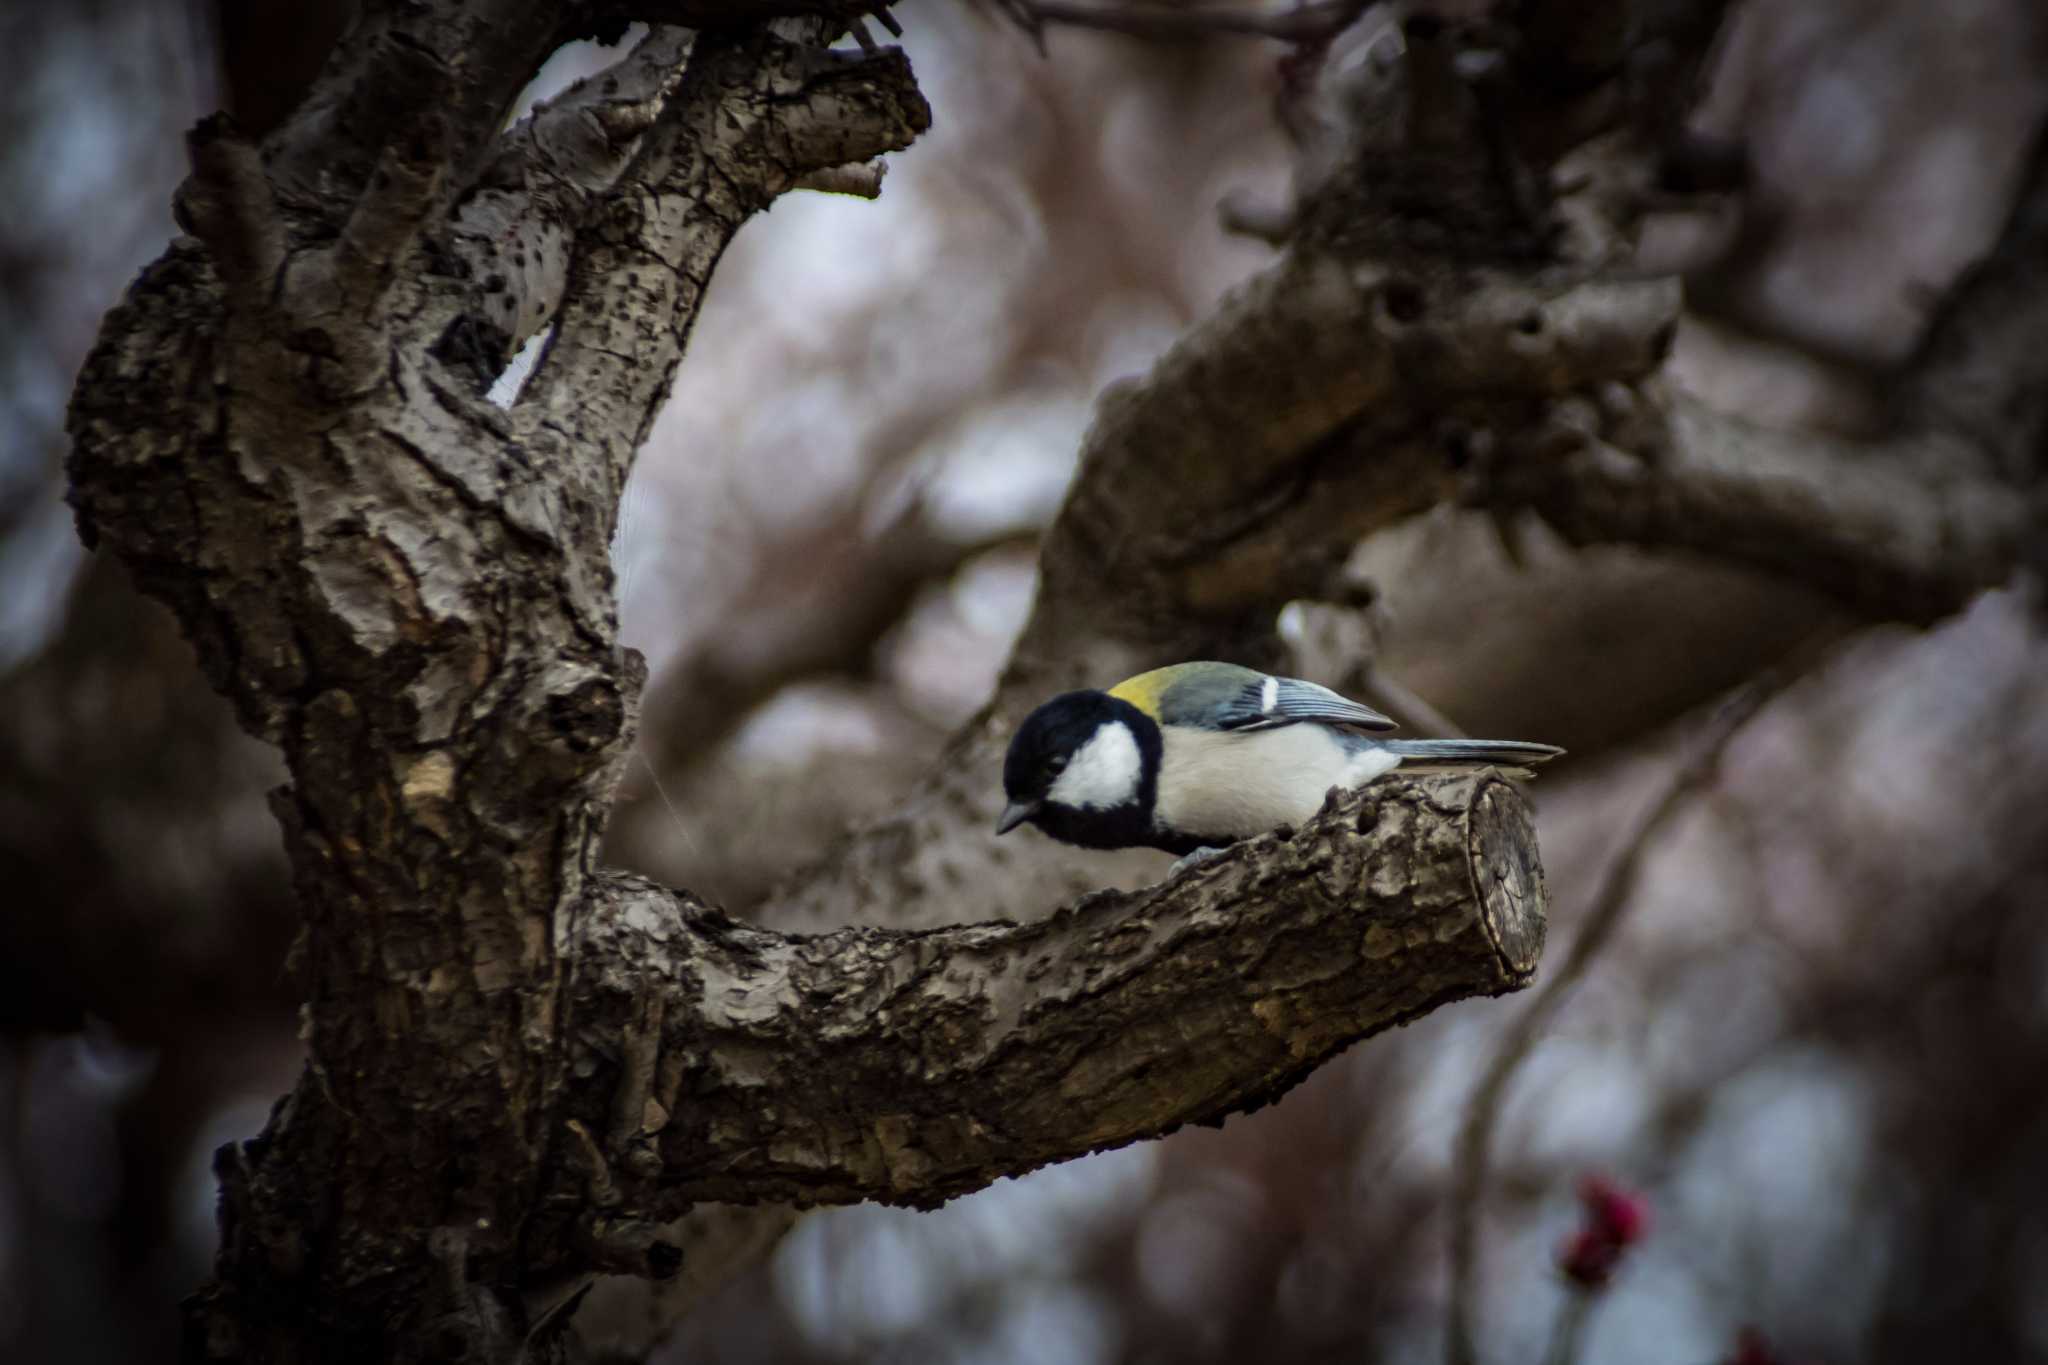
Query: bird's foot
x=1195, y=859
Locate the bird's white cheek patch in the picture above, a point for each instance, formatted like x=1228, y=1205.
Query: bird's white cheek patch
x=1103, y=772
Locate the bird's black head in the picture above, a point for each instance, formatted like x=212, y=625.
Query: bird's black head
x=1084, y=768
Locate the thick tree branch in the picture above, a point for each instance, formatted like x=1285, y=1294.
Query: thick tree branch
x=516, y=230
x=760, y=113
x=921, y=1065
x=1906, y=532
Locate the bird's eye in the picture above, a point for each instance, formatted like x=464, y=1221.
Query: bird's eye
x=1057, y=765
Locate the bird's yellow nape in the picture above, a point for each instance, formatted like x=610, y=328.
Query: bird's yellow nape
x=1143, y=691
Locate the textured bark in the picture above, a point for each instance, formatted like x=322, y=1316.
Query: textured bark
x=907, y=1068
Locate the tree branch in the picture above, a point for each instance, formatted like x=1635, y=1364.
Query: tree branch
x=516, y=230
x=922, y=1065
x=1905, y=532
x=760, y=113
x=860, y=179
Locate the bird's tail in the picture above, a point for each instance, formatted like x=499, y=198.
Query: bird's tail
x=1510, y=754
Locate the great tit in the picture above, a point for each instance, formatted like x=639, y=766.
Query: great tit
x=1199, y=755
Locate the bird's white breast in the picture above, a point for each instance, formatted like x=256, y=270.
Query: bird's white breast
x=1234, y=785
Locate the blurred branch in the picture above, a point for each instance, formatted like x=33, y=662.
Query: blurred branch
x=145, y=884
x=857, y=589
x=1616, y=893
x=1905, y=531
x=1383, y=689
x=1982, y=366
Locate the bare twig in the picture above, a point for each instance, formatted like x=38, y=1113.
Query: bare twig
x=1611, y=902
x=1568, y=1333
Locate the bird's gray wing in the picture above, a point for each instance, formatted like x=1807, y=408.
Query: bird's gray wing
x=1244, y=699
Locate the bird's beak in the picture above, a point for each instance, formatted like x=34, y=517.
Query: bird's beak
x=1015, y=814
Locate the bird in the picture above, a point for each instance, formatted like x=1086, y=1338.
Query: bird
x=1193, y=757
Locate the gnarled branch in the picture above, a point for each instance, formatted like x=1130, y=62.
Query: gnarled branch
x=910, y=1066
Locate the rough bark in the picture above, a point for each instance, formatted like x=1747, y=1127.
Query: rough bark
x=909, y=1067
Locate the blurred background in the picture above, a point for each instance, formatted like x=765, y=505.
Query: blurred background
x=1817, y=1048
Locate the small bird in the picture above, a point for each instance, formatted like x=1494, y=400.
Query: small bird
x=1195, y=756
